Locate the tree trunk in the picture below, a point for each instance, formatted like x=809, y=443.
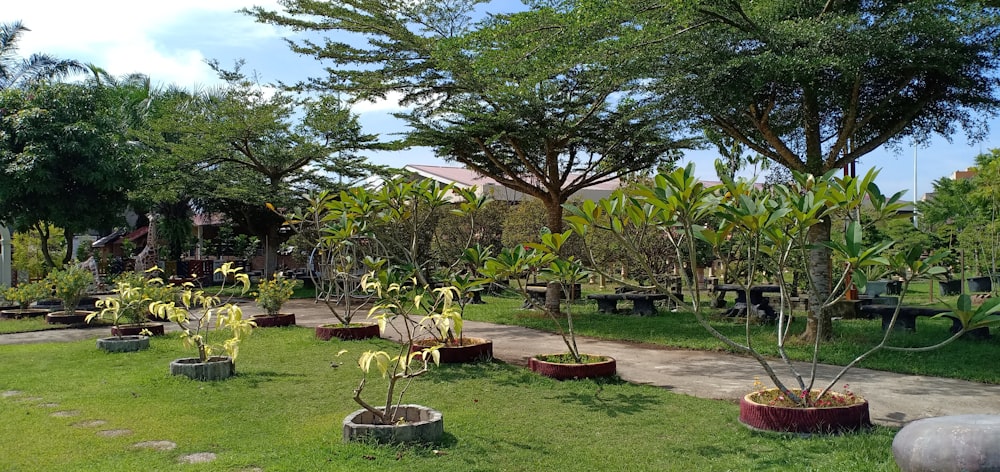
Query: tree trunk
x=821, y=274
x=554, y=221
x=270, y=251
x=43, y=241
x=68, y=256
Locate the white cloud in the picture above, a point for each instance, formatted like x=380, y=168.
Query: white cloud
x=387, y=105
x=166, y=40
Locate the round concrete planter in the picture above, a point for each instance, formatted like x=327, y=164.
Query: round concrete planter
x=216, y=368
x=761, y=417
x=560, y=371
x=123, y=344
x=17, y=313
x=63, y=317
x=949, y=444
x=354, y=331
x=155, y=329
x=471, y=350
x=274, y=321
x=419, y=424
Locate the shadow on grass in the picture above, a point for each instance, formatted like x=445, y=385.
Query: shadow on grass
x=611, y=404
x=499, y=372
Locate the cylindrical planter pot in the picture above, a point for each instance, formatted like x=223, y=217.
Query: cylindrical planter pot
x=63, y=317
x=951, y=287
x=949, y=444
x=123, y=344
x=217, y=368
x=347, y=333
x=419, y=424
x=835, y=419
x=979, y=284
x=274, y=321
x=16, y=313
x=155, y=329
x=560, y=371
x=471, y=350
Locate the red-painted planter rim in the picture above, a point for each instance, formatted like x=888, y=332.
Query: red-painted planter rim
x=809, y=420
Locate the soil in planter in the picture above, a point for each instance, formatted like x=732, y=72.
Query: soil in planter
x=567, y=358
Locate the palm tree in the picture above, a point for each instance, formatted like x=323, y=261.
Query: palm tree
x=17, y=72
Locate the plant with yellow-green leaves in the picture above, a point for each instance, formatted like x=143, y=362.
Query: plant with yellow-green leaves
x=132, y=296
x=27, y=293
x=197, y=311
x=274, y=292
x=400, y=301
x=69, y=285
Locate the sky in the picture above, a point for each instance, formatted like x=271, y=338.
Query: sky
x=171, y=43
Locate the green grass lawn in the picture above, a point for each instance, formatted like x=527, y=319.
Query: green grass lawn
x=284, y=411
x=966, y=358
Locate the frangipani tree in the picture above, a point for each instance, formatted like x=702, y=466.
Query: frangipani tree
x=775, y=223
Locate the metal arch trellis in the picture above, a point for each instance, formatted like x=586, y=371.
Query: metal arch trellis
x=337, y=271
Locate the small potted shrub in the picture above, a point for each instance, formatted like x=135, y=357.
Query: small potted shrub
x=544, y=259
x=23, y=296
x=69, y=286
x=128, y=308
x=195, y=313
x=271, y=296
x=395, y=421
x=335, y=225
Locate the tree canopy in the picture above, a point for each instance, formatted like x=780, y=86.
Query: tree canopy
x=241, y=146
x=65, y=157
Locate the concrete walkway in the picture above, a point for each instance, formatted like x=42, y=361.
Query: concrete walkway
x=895, y=398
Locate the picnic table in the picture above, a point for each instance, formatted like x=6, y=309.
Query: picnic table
x=757, y=300
x=907, y=319
x=642, y=303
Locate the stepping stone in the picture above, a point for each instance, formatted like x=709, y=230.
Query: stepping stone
x=10, y=393
x=31, y=399
x=49, y=405
x=90, y=423
x=197, y=458
x=156, y=445
x=65, y=413
x=113, y=433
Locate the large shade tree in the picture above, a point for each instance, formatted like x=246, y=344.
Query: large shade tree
x=239, y=147
x=817, y=84
x=65, y=156
x=543, y=101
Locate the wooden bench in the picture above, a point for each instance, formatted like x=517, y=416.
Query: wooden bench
x=642, y=303
x=907, y=319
